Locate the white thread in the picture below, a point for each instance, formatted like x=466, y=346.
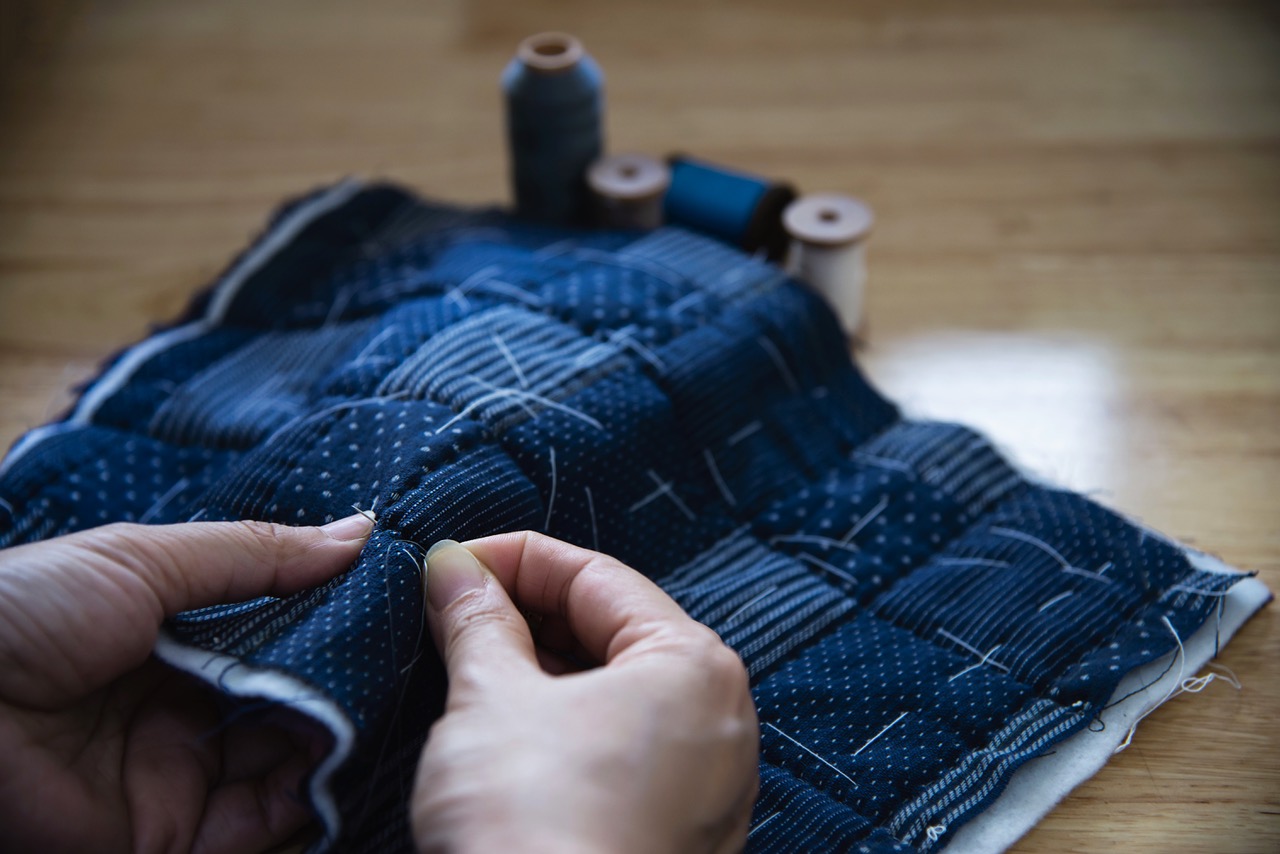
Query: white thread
x=1187, y=588
x=1175, y=688
x=591, y=509
x=1075, y=570
x=728, y=621
x=883, y=462
x=339, y=305
x=946, y=634
x=684, y=302
x=762, y=824
x=825, y=542
x=985, y=660
x=198, y=514
x=934, y=833
x=866, y=520
x=329, y=410
x=781, y=363
x=719, y=481
x=664, y=488
x=1063, y=563
x=887, y=727
x=1055, y=600
x=823, y=565
x=500, y=393
x=7, y=506
x=163, y=500
x=624, y=335
x=510, y=357
x=751, y=428
x=551, y=501
x=373, y=343
x=814, y=755
x=972, y=561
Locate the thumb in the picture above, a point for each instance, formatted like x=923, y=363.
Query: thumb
x=478, y=629
x=79, y=610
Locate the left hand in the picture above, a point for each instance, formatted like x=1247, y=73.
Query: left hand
x=102, y=747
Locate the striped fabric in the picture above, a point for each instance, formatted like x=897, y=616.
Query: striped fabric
x=917, y=617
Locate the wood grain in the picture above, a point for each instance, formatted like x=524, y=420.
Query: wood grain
x=1077, y=250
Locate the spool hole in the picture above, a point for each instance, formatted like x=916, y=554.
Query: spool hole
x=628, y=171
x=550, y=48
x=828, y=215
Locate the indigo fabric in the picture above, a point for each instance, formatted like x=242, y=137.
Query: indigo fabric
x=918, y=619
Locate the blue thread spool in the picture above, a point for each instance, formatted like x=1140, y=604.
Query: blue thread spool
x=555, y=105
x=736, y=207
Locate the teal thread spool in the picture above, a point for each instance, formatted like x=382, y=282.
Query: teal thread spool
x=555, y=109
x=737, y=207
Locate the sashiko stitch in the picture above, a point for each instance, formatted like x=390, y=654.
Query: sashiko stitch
x=919, y=619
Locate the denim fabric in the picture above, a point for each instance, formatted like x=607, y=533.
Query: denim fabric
x=918, y=618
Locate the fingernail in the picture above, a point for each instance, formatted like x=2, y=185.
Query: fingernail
x=451, y=571
x=356, y=527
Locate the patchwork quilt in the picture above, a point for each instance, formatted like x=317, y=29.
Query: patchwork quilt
x=923, y=623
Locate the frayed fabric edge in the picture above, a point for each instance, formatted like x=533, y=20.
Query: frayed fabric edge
x=1037, y=787
x=234, y=677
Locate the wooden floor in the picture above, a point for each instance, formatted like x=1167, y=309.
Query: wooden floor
x=1078, y=245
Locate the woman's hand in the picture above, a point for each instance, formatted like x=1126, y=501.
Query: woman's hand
x=653, y=750
x=103, y=748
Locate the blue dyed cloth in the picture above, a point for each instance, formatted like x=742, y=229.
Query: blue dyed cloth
x=917, y=617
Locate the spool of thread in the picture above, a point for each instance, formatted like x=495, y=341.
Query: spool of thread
x=829, y=250
x=627, y=191
x=736, y=207
x=554, y=105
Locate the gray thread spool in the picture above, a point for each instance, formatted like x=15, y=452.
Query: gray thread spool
x=627, y=191
x=555, y=106
x=828, y=250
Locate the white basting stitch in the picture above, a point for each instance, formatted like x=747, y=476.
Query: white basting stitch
x=763, y=822
x=972, y=561
x=883, y=462
x=728, y=621
x=719, y=481
x=887, y=727
x=624, y=336
x=163, y=500
x=373, y=344
x=826, y=567
x=753, y=427
x=664, y=488
x=684, y=302
x=866, y=520
x=1055, y=600
x=815, y=755
x=985, y=658
x=779, y=362
x=498, y=394
x=825, y=542
x=510, y=357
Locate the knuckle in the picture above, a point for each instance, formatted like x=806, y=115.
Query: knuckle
x=268, y=541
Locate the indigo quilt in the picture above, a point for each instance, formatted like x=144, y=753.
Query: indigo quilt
x=920, y=619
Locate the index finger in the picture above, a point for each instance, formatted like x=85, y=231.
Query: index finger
x=608, y=606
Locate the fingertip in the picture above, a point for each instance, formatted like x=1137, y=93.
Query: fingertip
x=452, y=571
x=356, y=527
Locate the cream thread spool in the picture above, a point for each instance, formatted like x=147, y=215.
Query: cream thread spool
x=829, y=250
x=627, y=191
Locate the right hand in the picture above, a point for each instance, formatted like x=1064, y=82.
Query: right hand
x=653, y=750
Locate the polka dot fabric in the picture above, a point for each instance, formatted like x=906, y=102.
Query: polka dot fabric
x=918, y=619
